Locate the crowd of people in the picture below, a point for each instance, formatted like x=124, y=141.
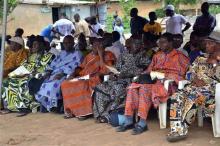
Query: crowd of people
x=113, y=78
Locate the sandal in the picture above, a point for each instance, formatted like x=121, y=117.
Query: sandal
x=103, y=119
x=138, y=129
x=4, y=112
x=124, y=128
x=173, y=137
x=82, y=118
x=67, y=116
x=22, y=114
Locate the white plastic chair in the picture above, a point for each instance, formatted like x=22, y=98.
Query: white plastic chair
x=216, y=116
x=163, y=108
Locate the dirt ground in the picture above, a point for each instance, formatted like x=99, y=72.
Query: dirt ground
x=52, y=130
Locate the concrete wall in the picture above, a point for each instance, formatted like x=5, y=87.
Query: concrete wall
x=30, y=18
x=83, y=10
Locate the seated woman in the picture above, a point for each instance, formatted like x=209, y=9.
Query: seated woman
x=67, y=61
x=110, y=95
x=15, y=89
x=77, y=95
x=166, y=64
x=15, y=54
x=200, y=92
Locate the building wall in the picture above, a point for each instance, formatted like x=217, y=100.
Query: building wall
x=32, y=18
x=83, y=10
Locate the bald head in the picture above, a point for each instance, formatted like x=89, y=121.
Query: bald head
x=76, y=17
x=68, y=43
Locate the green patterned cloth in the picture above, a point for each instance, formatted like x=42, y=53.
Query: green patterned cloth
x=15, y=89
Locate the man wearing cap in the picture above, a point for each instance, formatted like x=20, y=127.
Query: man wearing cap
x=205, y=23
x=200, y=91
x=14, y=55
x=175, y=22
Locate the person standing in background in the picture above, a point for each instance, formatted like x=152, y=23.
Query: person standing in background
x=63, y=26
x=137, y=22
x=175, y=22
x=81, y=26
x=205, y=23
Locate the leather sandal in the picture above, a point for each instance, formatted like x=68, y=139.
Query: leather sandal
x=138, y=129
x=124, y=128
x=175, y=137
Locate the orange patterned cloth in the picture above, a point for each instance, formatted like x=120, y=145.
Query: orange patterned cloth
x=77, y=94
x=13, y=60
x=141, y=97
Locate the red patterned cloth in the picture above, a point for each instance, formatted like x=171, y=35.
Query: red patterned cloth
x=140, y=97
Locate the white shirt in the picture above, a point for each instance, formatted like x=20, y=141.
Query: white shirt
x=174, y=24
x=117, y=48
x=95, y=27
x=120, y=30
x=64, y=26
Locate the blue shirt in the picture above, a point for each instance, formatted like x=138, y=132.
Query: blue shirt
x=46, y=32
x=204, y=24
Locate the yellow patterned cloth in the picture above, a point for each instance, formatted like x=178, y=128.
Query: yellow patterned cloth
x=13, y=59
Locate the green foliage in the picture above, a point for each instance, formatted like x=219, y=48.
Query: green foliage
x=214, y=9
x=11, y=5
x=160, y=13
x=126, y=6
x=177, y=2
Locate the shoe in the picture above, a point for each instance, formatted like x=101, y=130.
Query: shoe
x=5, y=111
x=67, y=116
x=22, y=114
x=138, y=129
x=82, y=118
x=175, y=137
x=123, y=128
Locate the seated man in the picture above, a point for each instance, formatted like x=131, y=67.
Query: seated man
x=194, y=47
x=178, y=42
x=77, y=93
x=170, y=64
x=200, y=92
x=60, y=67
x=15, y=54
x=110, y=95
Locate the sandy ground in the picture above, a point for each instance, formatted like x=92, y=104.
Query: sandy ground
x=52, y=130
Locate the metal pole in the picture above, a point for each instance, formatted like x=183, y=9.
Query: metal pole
x=4, y=24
